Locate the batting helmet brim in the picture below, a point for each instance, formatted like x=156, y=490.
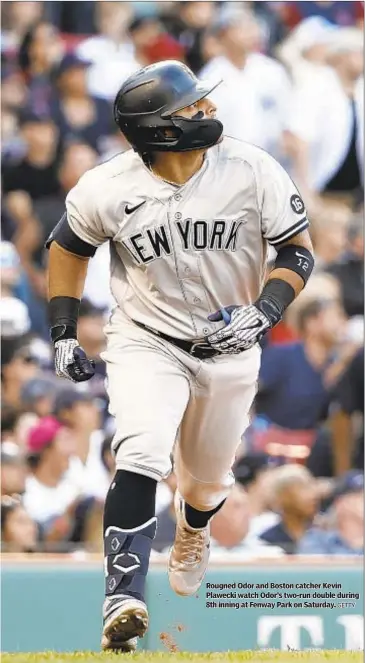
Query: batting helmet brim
x=197, y=92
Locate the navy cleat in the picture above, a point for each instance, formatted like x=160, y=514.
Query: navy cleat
x=125, y=615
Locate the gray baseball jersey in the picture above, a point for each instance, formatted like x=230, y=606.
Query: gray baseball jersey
x=178, y=253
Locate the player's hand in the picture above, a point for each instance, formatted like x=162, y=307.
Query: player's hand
x=71, y=361
x=245, y=326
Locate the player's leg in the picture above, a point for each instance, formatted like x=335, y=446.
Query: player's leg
x=148, y=392
x=211, y=430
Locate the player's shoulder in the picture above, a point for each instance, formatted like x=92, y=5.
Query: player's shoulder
x=233, y=149
x=123, y=166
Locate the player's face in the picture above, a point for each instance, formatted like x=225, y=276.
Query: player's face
x=202, y=109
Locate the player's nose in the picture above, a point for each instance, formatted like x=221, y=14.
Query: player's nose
x=210, y=109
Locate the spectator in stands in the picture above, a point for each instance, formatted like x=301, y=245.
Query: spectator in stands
x=71, y=17
x=340, y=12
x=344, y=533
x=13, y=469
x=79, y=116
x=14, y=313
x=9, y=417
x=18, y=366
x=38, y=394
x=15, y=427
x=17, y=19
x=39, y=52
x=26, y=234
x=187, y=22
x=253, y=473
x=110, y=51
x=326, y=147
x=271, y=24
x=288, y=409
x=36, y=172
x=14, y=92
x=76, y=159
x=329, y=234
x=347, y=403
x=79, y=411
x=151, y=44
x=349, y=268
x=30, y=222
x=12, y=145
x=230, y=528
x=18, y=530
x=253, y=98
x=48, y=493
x=296, y=499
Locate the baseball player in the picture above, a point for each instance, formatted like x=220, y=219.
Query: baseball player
x=188, y=214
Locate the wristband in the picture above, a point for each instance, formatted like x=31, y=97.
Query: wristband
x=63, y=316
x=276, y=296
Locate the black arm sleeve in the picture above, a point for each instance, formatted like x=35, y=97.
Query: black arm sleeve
x=65, y=237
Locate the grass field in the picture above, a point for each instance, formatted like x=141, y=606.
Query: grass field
x=157, y=657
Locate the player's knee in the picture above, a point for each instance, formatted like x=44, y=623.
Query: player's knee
x=145, y=454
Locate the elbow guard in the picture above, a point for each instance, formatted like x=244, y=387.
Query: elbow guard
x=65, y=237
x=297, y=259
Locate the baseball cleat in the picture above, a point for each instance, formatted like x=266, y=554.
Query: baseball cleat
x=189, y=555
x=125, y=620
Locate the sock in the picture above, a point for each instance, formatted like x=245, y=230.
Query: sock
x=130, y=501
x=129, y=529
x=199, y=519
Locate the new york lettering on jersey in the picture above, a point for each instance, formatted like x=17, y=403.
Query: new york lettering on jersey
x=199, y=235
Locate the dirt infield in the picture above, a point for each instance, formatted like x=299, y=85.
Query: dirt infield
x=330, y=656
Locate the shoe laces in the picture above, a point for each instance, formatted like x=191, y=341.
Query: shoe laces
x=190, y=545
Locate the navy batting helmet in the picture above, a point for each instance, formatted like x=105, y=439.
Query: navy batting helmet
x=145, y=105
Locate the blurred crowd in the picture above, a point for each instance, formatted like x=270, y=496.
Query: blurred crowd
x=292, y=84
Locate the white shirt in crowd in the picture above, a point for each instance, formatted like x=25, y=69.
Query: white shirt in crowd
x=321, y=115
x=259, y=524
x=252, y=102
x=111, y=65
x=80, y=481
x=44, y=502
x=90, y=479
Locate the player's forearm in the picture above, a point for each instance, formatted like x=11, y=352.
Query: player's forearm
x=66, y=273
x=293, y=279
x=293, y=266
x=66, y=279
